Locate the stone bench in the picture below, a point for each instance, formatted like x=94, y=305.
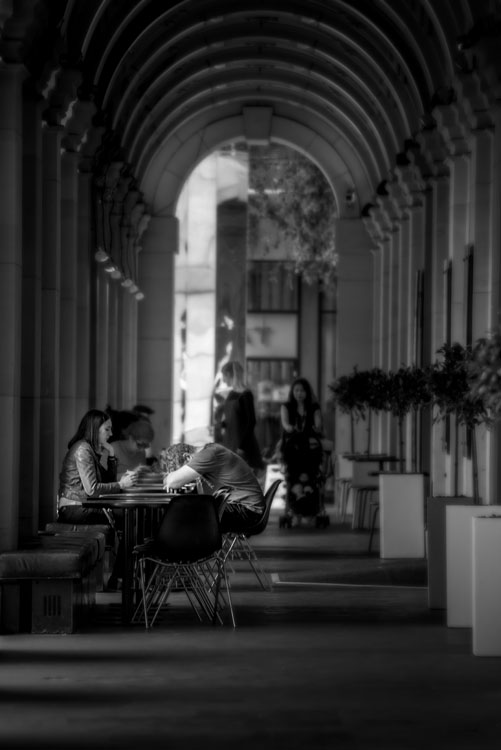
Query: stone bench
x=48, y=587
x=58, y=533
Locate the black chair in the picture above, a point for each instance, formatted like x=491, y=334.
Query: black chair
x=236, y=545
x=184, y=556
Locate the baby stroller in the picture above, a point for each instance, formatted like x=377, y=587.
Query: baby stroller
x=304, y=472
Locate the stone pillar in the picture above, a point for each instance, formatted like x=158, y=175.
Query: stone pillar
x=394, y=321
x=386, y=300
x=11, y=78
x=439, y=214
x=155, y=323
x=405, y=321
x=458, y=217
x=31, y=314
x=354, y=311
x=309, y=336
x=85, y=259
x=101, y=339
x=50, y=458
x=68, y=418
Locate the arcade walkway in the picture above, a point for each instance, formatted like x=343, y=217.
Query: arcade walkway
x=309, y=667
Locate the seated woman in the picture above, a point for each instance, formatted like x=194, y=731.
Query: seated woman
x=90, y=469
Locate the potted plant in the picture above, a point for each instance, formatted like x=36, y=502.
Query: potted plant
x=348, y=396
x=449, y=518
x=485, y=384
x=408, y=392
x=402, y=492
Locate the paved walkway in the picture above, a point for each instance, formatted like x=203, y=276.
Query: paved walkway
x=343, y=653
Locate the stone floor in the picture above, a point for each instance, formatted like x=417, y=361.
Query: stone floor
x=343, y=653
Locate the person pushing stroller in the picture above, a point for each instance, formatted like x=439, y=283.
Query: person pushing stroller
x=301, y=452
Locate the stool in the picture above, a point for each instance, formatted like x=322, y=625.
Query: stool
x=344, y=488
x=373, y=512
x=360, y=497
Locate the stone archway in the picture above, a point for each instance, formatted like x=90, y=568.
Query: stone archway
x=161, y=183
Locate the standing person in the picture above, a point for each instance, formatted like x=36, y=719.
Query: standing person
x=134, y=449
x=220, y=472
x=301, y=449
x=239, y=417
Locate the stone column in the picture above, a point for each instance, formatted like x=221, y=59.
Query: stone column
x=85, y=259
x=31, y=314
x=458, y=217
x=68, y=418
x=405, y=321
x=155, y=323
x=50, y=458
x=101, y=339
x=113, y=347
x=354, y=311
x=11, y=78
x=439, y=247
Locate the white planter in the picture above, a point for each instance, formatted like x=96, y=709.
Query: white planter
x=435, y=535
x=486, y=599
x=401, y=515
x=459, y=561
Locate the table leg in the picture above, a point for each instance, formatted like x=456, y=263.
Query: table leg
x=128, y=575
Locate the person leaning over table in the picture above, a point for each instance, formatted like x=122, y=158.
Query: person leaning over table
x=89, y=469
x=222, y=473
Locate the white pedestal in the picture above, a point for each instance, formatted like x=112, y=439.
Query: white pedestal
x=486, y=588
x=435, y=528
x=459, y=557
x=401, y=508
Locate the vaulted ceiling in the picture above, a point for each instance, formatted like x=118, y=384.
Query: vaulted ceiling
x=359, y=77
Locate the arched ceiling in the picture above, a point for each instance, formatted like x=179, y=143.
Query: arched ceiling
x=354, y=78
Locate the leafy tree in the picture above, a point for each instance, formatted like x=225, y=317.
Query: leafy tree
x=292, y=193
x=485, y=373
x=452, y=395
x=359, y=395
x=408, y=391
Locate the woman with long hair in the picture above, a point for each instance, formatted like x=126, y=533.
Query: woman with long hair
x=301, y=449
x=239, y=417
x=90, y=469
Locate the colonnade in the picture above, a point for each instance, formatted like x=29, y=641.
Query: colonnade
x=435, y=226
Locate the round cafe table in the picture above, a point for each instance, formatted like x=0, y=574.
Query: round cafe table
x=141, y=508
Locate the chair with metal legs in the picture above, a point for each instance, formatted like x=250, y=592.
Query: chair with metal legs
x=185, y=555
x=236, y=545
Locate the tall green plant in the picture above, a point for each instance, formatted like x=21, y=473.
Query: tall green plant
x=453, y=396
x=348, y=397
x=360, y=394
x=485, y=373
x=408, y=390
x=375, y=390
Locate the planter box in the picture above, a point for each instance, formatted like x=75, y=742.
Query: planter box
x=459, y=561
x=401, y=515
x=435, y=537
x=486, y=599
